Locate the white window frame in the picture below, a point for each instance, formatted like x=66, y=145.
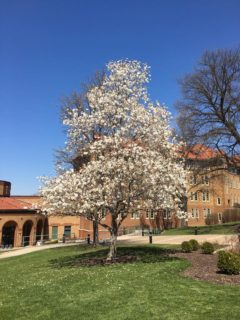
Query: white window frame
x=205, y=180
x=135, y=215
x=193, y=214
x=219, y=216
x=205, y=212
x=205, y=196
x=152, y=214
x=219, y=201
x=194, y=196
x=147, y=214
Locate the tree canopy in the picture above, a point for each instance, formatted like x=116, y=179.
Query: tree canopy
x=209, y=111
x=129, y=157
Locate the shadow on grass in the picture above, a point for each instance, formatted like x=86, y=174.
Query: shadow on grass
x=134, y=254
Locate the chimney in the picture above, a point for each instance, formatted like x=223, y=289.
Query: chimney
x=5, y=188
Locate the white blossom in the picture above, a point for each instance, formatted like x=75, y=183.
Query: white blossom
x=133, y=159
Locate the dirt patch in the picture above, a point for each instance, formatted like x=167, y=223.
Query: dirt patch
x=103, y=261
x=204, y=267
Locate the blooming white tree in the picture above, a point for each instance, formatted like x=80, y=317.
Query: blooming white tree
x=132, y=160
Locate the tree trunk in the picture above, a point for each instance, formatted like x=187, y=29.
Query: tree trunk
x=113, y=246
x=95, y=233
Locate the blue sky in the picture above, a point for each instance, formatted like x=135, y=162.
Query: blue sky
x=48, y=47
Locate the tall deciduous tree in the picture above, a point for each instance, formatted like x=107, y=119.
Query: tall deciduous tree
x=131, y=159
x=209, y=112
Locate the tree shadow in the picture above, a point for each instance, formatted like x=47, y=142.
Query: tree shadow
x=134, y=254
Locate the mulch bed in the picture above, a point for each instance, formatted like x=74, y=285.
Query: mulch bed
x=204, y=267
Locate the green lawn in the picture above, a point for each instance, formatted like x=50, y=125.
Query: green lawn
x=226, y=228
x=47, y=285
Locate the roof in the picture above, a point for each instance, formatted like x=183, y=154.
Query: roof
x=201, y=152
x=8, y=203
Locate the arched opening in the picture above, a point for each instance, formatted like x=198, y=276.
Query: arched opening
x=27, y=229
x=39, y=230
x=9, y=234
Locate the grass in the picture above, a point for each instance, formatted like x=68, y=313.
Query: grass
x=225, y=228
x=47, y=285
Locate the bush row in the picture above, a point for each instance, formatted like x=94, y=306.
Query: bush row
x=193, y=245
x=228, y=262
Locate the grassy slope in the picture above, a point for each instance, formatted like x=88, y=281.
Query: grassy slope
x=226, y=228
x=33, y=287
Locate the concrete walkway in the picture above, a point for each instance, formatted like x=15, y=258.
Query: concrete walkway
x=214, y=238
x=227, y=240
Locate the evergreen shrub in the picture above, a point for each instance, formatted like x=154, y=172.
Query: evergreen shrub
x=207, y=248
x=229, y=262
x=194, y=244
x=186, y=246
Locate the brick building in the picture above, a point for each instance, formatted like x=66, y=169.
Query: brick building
x=212, y=188
x=20, y=223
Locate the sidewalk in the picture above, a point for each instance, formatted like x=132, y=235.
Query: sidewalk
x=138, y=239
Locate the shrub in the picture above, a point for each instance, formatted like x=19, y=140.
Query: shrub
x=229, y=262
x=207, y=248
x=194, y=244
x=186, y=246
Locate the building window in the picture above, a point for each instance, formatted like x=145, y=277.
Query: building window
x=205, y=213
x=219, y=216
x=218, y=201
x=67, y=231
x=205, y=196
x=135, y=215
x=193, y=214
x=167, y=214
x=208, y=211
x=194, y=196
x=197, y=213
x=205, y=180
x=54, y=232
x=152, y=214
x=147, y=214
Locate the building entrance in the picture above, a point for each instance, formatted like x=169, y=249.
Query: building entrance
x=8, y=234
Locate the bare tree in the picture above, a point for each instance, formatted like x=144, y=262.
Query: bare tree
x=72, y=158
x=209, y=111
